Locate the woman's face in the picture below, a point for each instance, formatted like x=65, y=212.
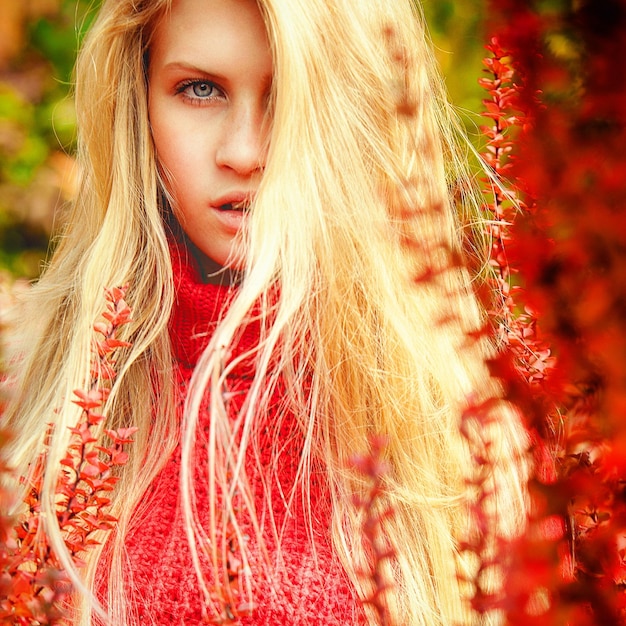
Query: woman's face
x=209, y=75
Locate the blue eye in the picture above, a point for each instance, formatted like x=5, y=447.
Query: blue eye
x=197, y=90
x=202, y=90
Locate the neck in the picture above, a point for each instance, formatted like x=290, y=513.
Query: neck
x=213, y=273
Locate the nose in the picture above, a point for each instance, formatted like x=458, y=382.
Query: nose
x=243, y=146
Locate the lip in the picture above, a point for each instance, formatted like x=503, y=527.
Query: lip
x=234, y=198
x=232, y=219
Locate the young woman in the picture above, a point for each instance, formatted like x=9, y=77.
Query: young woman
x=272, y=180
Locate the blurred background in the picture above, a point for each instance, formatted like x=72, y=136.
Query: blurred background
x=38, y=43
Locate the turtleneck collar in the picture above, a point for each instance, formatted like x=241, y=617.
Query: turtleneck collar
x=198, y=308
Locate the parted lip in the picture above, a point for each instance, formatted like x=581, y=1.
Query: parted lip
x=236, y=200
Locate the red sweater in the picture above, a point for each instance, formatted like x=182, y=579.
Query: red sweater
x=163, y=588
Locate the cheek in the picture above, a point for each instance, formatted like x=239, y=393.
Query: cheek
x=166, y=144
x=167, y=136
x=176, y=168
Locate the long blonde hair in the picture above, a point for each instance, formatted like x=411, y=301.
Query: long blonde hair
x=354, y=206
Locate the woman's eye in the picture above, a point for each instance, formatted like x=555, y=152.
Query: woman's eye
x=199, y=90
x=202, y=90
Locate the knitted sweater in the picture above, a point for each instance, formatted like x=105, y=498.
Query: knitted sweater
x=311, y=586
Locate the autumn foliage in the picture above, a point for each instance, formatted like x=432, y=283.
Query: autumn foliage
x=34, y=586
x=557, y=106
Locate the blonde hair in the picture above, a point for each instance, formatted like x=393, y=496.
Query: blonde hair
x=354, y=206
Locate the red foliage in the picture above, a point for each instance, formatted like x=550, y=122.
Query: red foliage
x=483, y=542
x=517, y=324
x=33, y=586
x=374, y=469
x=567, y=245
x=230, y=597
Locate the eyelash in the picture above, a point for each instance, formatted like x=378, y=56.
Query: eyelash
x=196, y=100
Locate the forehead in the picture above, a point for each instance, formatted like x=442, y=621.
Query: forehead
x=231, y=30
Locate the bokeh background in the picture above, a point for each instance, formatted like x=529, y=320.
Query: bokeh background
x=38, y=43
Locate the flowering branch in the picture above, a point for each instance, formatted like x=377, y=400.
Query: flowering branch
x=33, y=585
x=568, y=249
x=517, y=323
x=374, y=469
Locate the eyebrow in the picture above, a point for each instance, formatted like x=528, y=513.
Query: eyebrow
x=188, y=67
x=183, y=66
